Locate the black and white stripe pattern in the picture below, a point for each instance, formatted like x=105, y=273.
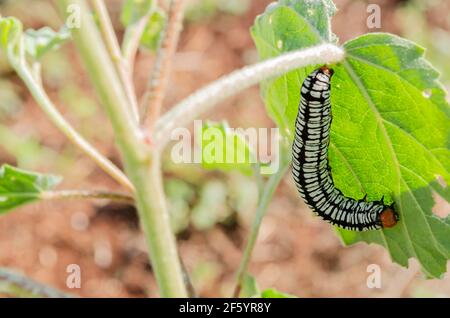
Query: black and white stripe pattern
x=311, y=171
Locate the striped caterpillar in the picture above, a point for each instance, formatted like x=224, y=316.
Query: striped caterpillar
x=311, y=170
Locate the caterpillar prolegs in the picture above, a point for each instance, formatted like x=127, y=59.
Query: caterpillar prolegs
x=311, y=170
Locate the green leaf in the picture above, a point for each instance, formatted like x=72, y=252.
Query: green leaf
x=154, y=29
x=225, y=149
x=18, y=187
x=286, y=26
x=249, y=287
x=10, y=36
x=390, y=134
x=39, y=42
x=399, y=121
x=135, y=10
x=273, y=293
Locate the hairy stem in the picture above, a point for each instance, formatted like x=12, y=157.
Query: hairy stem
x=86, y=194
x=59, y=121
x=264, y=199
x=116, y=55
x=156, y=88
x=141, y=165
x=229, y=85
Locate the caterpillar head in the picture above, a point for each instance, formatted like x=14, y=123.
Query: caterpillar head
x=388, y=217
x=326, y=70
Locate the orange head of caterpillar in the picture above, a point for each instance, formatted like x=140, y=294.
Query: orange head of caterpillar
x=388, y=217
x=326, y=70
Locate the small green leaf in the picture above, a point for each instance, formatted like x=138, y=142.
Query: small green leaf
x=398, y=124
x=249, y=287
x=225, y=149
x=135, y=10
x=39, y=42
x=10, y=31
x=273, y=293
x=285, y=26
x=154, y=29
x=132, y=14
x=18, y=187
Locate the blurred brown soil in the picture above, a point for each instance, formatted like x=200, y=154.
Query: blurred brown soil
x=296, y=252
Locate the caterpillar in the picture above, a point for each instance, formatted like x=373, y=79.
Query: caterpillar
x=311, y=170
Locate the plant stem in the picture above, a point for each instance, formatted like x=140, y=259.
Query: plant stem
x=154, y=216
x=36, y=69
x=55, y=116
x=116, y=54
x=263, y=202
x=156, y=88
x=22, y=286
x=132, y=38
x=141, y=165
x=86, y=194
x=229, y=85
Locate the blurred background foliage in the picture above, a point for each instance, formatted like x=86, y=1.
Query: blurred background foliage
x=210, y=209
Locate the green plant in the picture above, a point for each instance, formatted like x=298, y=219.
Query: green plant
x=390, y=129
